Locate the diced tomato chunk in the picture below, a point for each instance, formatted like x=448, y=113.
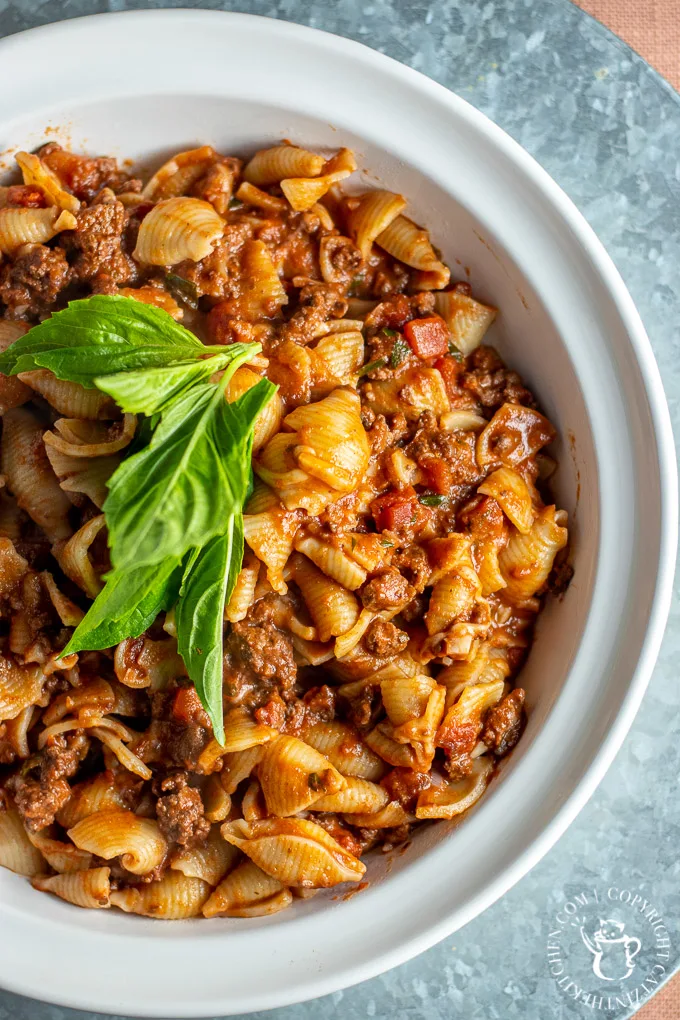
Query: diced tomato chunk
x=186, y=705
x=429, y=338
x=394, y=510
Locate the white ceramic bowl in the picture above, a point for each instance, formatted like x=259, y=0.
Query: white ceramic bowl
x=149, y=83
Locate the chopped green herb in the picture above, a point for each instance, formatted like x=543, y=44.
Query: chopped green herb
x=454, y=352
x=235, y=203
x=399, y=352
x=315, y=782
x=184, y=290
x=386, y=542
x=372, y=365
x=389, y=332
x=432, y=499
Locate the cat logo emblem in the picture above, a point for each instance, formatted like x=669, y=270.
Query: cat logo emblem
x=613, y=951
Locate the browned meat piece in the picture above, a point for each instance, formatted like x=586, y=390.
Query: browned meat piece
x=98, y=240
x=387, y=591
x=85, y=176
x=384, y=639
x=504, y=722
x=560, y=578
x=180, y=811
x=318, y=302
x=31, y=283
x=458, y=765
x=340, y=259
x=414, y=564
x=38, y=800
x=492, y=383
x=404, y=785
x=319, y=704
x=258, y=657
x=448, y=458
x=398, y=310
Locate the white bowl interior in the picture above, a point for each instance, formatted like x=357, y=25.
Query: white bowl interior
x=563, y=326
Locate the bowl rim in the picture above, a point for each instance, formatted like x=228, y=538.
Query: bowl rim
x=622, y=304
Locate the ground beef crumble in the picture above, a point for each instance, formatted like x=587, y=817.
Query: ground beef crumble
x=39, y=800
x=32, y=282
x=179, y=810
x=258, y=657
x=503, y=725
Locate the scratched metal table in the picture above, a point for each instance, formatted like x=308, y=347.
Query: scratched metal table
x=606, y=900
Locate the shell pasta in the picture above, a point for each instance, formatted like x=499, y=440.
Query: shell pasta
x=399, y=538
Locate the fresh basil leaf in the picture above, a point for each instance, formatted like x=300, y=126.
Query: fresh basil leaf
x=176, y=494
x=129, y=603
x=200, y=616
x=151, y=389
x=101, y=335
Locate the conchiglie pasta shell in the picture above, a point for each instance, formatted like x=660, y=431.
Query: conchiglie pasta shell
x=38, y=174
x=13, y=392
x=244, y=589
x=95, y=695
x=358, y=797
x=172, y=898
x=89, y=889
x=179, y=173
x=411, y=393
x=467, y=319
x=30, y=476
x=332, y=431
x=269, y=166
x=333, y=609
x=74, y=557
x=211, y=860
x=247, y=892
x=488, y=665
x=526, y=560
x=63, y=857
x=270, y=535
x=452, y=596
x=303, y=193
x=83, y=475
x=373, y=215
x=100, y=793
x=115, y=833
x=345, y=750
x=462, y=419
x=408, y=243
x=177, y=229
x=262, y=292
x=16, y=850
x=269, y=419
x=70, y=398
x=125, y=756
x=396, y=754
x=251, y=195
x=241, y=731
x=454, y=798
x=295, y=851
x=512, y=493
x=238, y=766
x=332, y=561
x=336, y=360
x=431, y=279
x=216, y=800
x=75, y=437
x=406, y=698
x=463, y=721
x=20, y=686
x=293, y=775
x=19, y=226
x=388, y=817
x=17, y=730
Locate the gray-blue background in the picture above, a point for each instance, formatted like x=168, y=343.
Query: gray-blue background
x=606, y=127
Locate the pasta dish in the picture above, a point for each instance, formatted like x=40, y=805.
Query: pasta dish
x=275, y=529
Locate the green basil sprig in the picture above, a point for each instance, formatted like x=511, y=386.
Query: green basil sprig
x=175, y=505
